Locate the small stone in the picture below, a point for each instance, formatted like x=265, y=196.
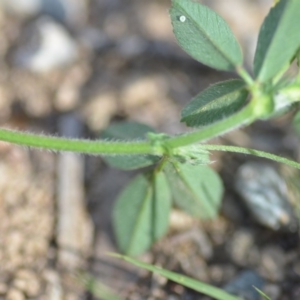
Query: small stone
x=14, y=242
x=216, y=273
x=146, y=100
x=264, y=192
x=242, y=285
x=68, y=94
x=221, y=273
x=49, y=46
x=273, y=263
x=14, y=294
x=180, y=221
x=100, y=109
x=242, y=249
x=27, y=281
x=20, y=284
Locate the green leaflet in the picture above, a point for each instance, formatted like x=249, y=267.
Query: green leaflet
x=197, y=190
x=278, y=39
x=215, y=103
x=141, y=213
x=128, y=131
x=205, y=35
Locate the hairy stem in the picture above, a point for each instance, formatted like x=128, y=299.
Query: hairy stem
x=244, y=117
x=74, y=145
x=252, y=152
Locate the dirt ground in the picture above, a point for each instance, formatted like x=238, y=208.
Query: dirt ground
x=55, y=208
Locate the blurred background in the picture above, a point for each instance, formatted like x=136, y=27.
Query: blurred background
x=72, y=67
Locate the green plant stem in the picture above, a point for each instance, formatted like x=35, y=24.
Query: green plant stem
x=243, y=117
x=252, y=152
x=245, y=75
x=74, y=145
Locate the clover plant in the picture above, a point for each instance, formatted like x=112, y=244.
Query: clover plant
x=179, y=170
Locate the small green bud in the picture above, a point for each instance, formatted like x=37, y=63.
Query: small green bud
x=263, y=105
